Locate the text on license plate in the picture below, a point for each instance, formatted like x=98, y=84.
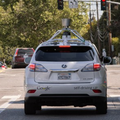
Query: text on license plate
x=64, y=76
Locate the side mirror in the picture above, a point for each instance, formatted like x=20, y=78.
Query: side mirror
x=27, y=60
x=107, y=59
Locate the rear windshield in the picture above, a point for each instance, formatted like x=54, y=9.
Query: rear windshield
x=64, y=54
x=23, y=51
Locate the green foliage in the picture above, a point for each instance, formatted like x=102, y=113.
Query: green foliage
x=104, y=29
x=27, y=23
x=116, y=43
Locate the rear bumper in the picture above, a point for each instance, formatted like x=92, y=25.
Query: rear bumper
x=65, y=100
x=20, y=64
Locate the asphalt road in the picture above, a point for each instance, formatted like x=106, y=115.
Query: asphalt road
x=12, y=96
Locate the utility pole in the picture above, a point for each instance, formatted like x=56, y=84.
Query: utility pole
x=110, y=34
x=99, y=46
x=90, y=25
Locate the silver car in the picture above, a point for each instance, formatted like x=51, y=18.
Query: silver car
x=65, y=72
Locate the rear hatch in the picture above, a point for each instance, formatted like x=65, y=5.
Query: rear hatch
x=67, y=64
x=22, y=53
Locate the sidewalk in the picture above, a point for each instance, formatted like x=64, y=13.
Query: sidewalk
x=1, y=70
x=117, y=65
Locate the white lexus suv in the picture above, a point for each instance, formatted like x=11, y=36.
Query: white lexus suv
x=65, y=72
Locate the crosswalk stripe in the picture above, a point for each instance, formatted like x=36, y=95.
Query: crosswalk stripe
x=10, y=101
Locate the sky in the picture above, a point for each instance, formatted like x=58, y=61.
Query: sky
x=94, y=10
x=93, y=6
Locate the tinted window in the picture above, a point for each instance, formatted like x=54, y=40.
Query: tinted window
x=23, y=51
x=64, y=54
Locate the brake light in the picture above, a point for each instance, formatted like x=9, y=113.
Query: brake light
x=64, y=46
x=37, y=68
x=91, y=67
x=96, y=66
x=16, y=52
x=32, y=67
x=3, y=67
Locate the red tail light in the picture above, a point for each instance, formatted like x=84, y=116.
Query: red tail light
x=96, y=66
x=91, y=67
x=37, y=68
x=32, y=67
x=16, y=52
x=3, y=67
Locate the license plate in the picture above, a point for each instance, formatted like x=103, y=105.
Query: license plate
x=64, y=76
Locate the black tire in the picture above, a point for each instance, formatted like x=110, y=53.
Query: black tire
x=101, y=108
x=13, y=66
x=29, y=108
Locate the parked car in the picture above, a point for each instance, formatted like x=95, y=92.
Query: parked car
x=19, y=56
x=65, y=72
x=3, y=65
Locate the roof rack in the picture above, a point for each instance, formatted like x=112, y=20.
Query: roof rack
x=66, y=40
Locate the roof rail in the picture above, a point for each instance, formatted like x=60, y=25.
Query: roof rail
x=80, y=38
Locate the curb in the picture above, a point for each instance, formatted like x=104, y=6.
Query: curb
x=118, y=66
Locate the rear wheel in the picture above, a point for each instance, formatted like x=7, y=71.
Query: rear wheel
x=29, y=108
x=101, y=108
x=13, y=66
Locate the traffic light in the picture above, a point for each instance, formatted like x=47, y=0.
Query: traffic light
x=103, y=4
x=60, y=4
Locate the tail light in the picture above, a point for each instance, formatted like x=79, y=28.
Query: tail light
x=91, y=67
x=37, y=68
x=3, y=67
x=97, y=67
x=16, y=52
x=32, y=67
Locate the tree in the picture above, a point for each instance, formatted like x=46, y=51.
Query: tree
x=27, y=23
x=116, y=43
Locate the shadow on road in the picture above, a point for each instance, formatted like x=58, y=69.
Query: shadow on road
x=113, y=106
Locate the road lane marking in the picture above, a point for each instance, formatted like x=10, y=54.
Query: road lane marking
x=118, y=96
x=114, y=95
x=8, y=74
x=9, y=102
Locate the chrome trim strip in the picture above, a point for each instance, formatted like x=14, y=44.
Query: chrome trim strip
x=64, y=70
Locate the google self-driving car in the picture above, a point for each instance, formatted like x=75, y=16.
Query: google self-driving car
x=66, y=71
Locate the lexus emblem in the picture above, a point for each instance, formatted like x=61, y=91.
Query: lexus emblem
x=64, y=66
